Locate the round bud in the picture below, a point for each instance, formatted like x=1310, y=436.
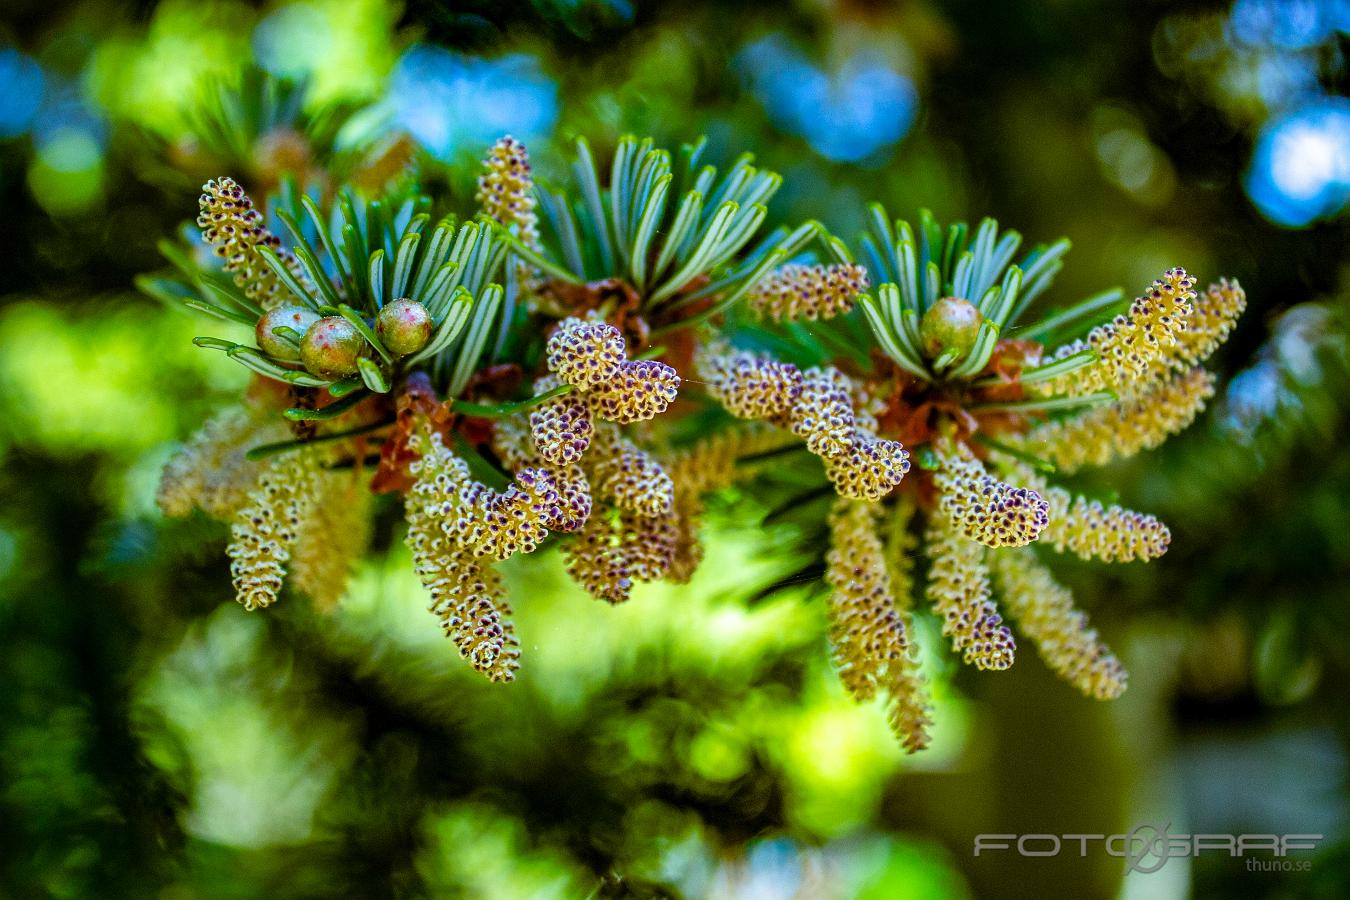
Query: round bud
x=331, y=347
x=949, y=324
x=404, y=327
x=296, y=318
x=280, y=150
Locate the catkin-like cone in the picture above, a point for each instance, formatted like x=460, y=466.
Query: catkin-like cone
x=1212, y=318
x=1123, y=429
x=639, y=390
x=749, y=385
x=1131, y=348
x=1044, y=612
x=818, y=406
x=585, y=354
x=809, y=292
x=619, y=548
x=498, y=525
x=592, y=357
x=823, y=414
x=870, y=469
x=561, y=427
x=713, y=463
x=332, y=538
x=958, y=586
x=871, y=641
x=470, y=600
x=466, y=593
x=265, y=529
x=1092, y=530
x=629, y=476
x=506, y=189
x=234, y=228
x=983, y=508
x=211, y=471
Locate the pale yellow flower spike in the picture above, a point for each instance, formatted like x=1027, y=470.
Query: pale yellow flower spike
x=958, y=585
x=333, y=536
x=211, y=471
x=514, y=442
x=1213, y=315
x=234, y=228
x=1091, y=530
x=265, y=529
x=1121, y=430
x=809, y=292
x=629, y=476
x=711, y=464
x=870, y=468
x=466, y=595
x=618, y=548
x=1132, y=346
x=498, y=525
x=983, y=508
x=506, y=189
x=817, y=405
x=470, y=600
x=1043, y=610
x=1107, y=533
x=871, y=642
x=823, y=414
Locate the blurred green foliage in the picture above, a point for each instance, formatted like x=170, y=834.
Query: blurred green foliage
x=155, y=739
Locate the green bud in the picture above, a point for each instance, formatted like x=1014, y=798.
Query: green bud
x=331, y=347
x=950, y=324
x=404, y=327
x=296, y=318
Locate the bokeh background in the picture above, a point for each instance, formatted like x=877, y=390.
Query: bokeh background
x=156, y=740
